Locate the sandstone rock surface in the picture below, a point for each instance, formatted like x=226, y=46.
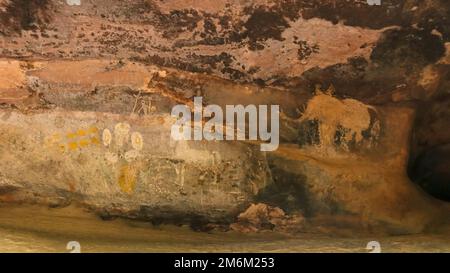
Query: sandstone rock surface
x=87, y=87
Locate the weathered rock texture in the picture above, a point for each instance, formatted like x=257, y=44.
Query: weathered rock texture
x=86, y=93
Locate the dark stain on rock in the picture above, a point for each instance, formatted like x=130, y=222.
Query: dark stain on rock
x=431, y=15
x=292, y=192
x=158, y=215
x=170, y=24
x=213, y=60
x=397, y=59
x=437, y=18
x=209, y=27
x=263, y=25
x=171, y=62
x=308, y=133
x=429, y=161
x=179, y=21
x=340, y=136
x=18, y=15
x=355, y=14
x=305, y=50
x=372, y=133
x=431, y=170
x=200, y=63
x=7, y=189
x=408, y=48
x=288, y=192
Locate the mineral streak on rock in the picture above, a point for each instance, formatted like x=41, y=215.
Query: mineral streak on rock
x=86, y=90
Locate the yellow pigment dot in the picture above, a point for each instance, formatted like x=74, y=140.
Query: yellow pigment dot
x=81, y=132
x=71, y=135
x=84, y=143
x=95, y=140
x=62, y=148
x=73, y=145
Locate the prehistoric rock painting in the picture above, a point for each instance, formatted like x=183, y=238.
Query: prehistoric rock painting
x=124, y=148
x=87, y=90
x=74, y=140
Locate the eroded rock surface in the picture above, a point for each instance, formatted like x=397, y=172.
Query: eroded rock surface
x=260, y=217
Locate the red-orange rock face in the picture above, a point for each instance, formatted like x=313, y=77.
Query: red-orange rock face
x=87, y=88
